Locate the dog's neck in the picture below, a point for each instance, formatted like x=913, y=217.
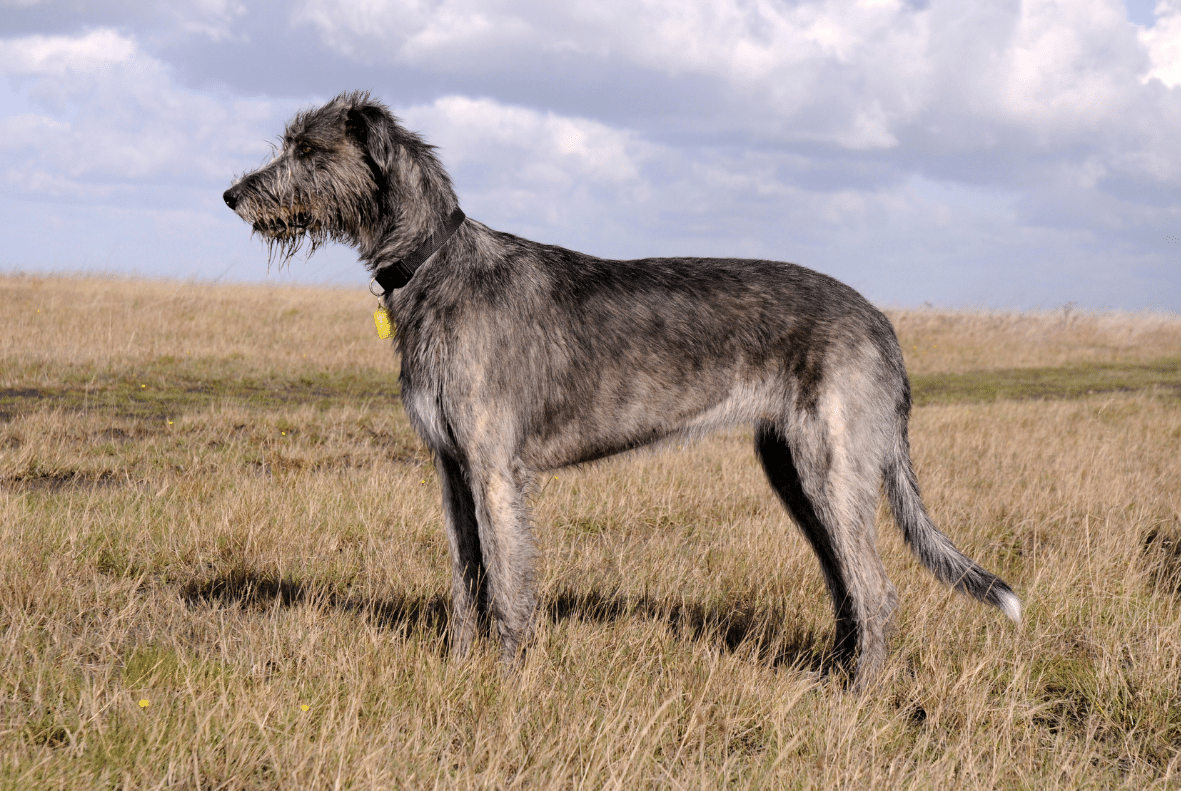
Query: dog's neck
x=395, y=274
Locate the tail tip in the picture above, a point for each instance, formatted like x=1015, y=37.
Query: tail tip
x=1009, y=604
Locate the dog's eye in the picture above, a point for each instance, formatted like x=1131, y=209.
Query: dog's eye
x=305, y=149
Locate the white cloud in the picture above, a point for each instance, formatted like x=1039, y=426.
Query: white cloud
x=885, y=141
x=100, y=114
x=553, y=148
x=610, y=192
x=61, y=56
x=413, y=29
x=216, y=20
x=783, y=59
x=20, y=3
x=1067, y=67
x=1163, y=41
x=857, y=76
x=527, y=169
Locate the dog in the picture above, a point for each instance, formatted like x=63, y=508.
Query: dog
x=519, y=358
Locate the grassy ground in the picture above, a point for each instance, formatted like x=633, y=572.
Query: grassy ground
x=222, y=566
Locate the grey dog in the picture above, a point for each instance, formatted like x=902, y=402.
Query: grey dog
x=519, y=358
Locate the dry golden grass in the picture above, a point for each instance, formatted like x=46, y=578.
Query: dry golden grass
x=936, y=341
x=63, y=321
x=193, y=533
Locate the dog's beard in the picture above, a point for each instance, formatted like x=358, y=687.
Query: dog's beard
x=287, y=233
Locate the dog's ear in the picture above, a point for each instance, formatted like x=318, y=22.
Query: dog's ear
x=372, y=127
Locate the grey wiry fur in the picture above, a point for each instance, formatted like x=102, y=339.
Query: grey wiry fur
x=519, y=357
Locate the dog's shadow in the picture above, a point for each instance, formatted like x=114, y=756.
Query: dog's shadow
x=763, y=634
x=252, y=589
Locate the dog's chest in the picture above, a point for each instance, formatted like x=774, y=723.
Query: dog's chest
x=422, y=402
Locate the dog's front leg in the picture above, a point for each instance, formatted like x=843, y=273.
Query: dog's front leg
x=468, y=590
x=506, y=542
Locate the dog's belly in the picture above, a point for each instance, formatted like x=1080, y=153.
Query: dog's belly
x=625, y=416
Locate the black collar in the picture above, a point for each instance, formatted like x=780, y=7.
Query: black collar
x=398, y=274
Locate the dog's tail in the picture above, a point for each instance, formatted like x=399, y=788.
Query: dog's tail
x=932, y=547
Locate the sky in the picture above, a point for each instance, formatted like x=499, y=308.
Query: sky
x=978, y=155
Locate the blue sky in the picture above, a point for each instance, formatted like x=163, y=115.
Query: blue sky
x=964, y=154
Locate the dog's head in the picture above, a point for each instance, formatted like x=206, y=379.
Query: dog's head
x=345, y=172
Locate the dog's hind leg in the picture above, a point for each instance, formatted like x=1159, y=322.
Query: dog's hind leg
x=468, y=589
x=834, y=508
x=506, y=541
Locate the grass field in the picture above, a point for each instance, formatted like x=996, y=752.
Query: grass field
x=222, y=567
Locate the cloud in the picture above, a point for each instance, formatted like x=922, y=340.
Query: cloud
x=161, y=20
x=780, y=59
x=857, y=76
x=1064, y=71
x=531, y=170
x=1163, y=42
x=110, y=164
x=1039, y=100
x=99, y=114
x=551, y=148
x=962, y=146
x=62, y=56
x=216, y=20
x=612, y=191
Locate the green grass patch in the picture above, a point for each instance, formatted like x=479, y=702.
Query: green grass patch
x=1073, y=381
x=169, y=386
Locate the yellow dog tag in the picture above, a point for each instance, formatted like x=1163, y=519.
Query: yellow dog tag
x=385, y=328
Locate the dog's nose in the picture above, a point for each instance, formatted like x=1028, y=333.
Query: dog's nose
x=230, y=198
